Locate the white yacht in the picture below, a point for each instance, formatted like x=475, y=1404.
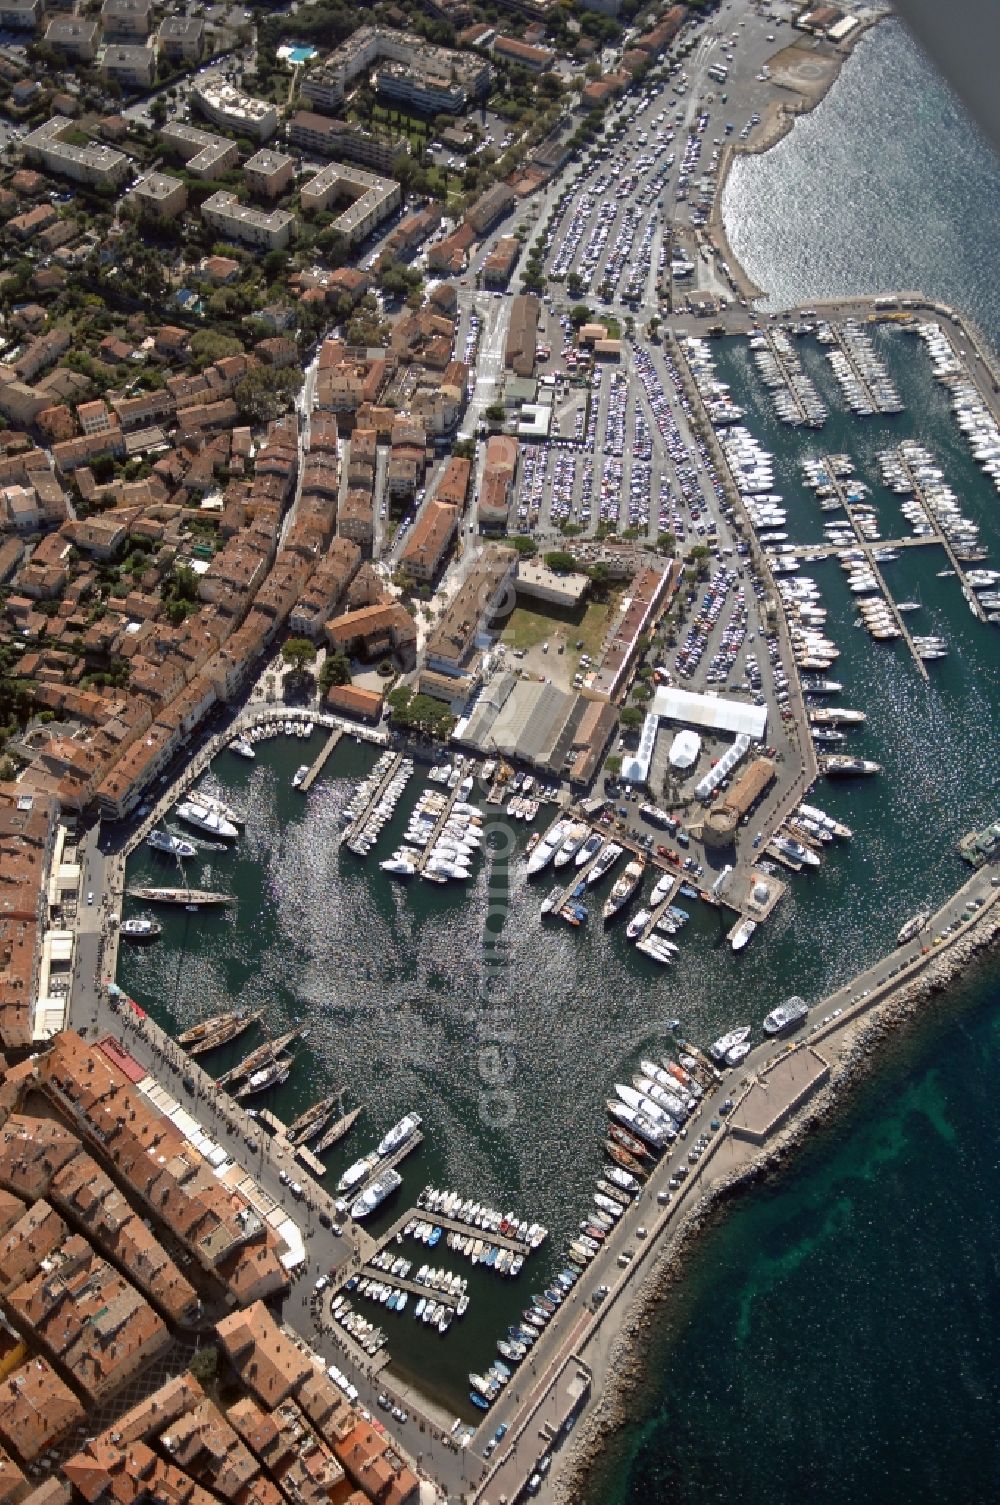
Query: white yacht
x=206, y=819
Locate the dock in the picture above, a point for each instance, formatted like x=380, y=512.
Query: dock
x=942, y=538
x=397, y=1283
x=661, y=909
x=321, y=760
x=356, y=825
x=469, y=1230
x=868, y=547
x=439, y=826
x=187, y=896
x=388, y=1163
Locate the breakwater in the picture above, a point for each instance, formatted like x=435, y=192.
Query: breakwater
x=855, y=1047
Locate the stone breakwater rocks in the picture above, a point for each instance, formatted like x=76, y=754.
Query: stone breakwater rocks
x=853, y=1052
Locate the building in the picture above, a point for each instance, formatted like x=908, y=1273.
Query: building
x=372, y=631
x=735, y=804
x=268, y=174
x=268, y=230
x=498, y=482
x=429, y=540
x=225, y=105
x=126, y=19
x=434, y=80
x=160, y=196
x=490, y=208
x=535, y=59
x=74, y=37
x=499, y=265
x=488, y=591
x=181, y=39
x=372, y=199
x=326, y=137
x=522, y=335
x=21, y=15
x=132, y=66
x=204, y=154
x=93, y=164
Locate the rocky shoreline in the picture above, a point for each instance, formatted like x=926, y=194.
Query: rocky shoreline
x=856, y=1056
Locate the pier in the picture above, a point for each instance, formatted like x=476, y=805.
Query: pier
x=321, y=760
x=942, y=538
x=867, y=547
x=358, y=822
x=661, y=909
x=438, y=827
x=413, y=1287
x=387, y=1163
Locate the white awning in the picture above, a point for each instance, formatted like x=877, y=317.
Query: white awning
x=716, y=713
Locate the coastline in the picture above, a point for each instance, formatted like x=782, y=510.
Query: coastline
x=778, y=117
x=619, y=1366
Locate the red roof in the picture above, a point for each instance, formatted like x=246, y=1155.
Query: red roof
x=119, y=1056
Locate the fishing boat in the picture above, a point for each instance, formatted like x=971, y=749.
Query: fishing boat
x=140, y=930
x=624, y=887
x=242, y=748
x=219, y=1030
x=298, y=777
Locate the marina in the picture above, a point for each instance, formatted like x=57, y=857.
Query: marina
x=373, y=986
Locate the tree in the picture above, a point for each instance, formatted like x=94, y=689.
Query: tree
x=267, y=391
x=560, y=561
x=297, y=652
x=204, y=1365
x=632, y=718
x=579, y=315
x=336, y=670
x=600, y=578
x=524, y=545
x=574, y=284
x=495, y=413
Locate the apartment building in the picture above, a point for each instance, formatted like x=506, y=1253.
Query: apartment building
x=204, y=154
x=326, y=137
x=181, y=39
x=491, y=207
x=225, y=105
x=430, y=539
x=126, y=19
x=98, y=166
x=407, y=69
x=452, y=646
x=133, y=65
x=372, y=199
x=268, y=230
x=21, y=15
x=74, y=37
x=160, y=196
x=268, y=174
